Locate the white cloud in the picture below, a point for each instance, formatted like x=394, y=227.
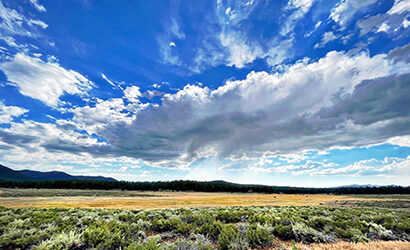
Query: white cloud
x=383, y=28
x=390, y=22
x=10, y=41
x=240, y=53
x=168, y=54
x=176, y=30
x=38, y=6
x=346, y=9
x=44, y=81
x=132, y=93
x=108, y=80
x=237, y=119
x=7, y=113
x=104, y=112
x=391, y=166
x=123, y=169
x=38, y=23
x=399, y=6
x=238, y=49
x=327, y=37
x=114, y=84
x=13, y=23
x=229, y=43
x=299, y=8
x=402, y=141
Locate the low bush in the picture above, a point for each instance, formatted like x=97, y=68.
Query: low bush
x=197, y=228
x=228, y=235
x=259, y=235
x=70, y=240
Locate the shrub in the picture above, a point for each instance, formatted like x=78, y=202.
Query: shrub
x=306, y=234
x=259, y=235
x=200, y=244
x=211, y=230
x=283, y=232
x=355, y=235
x=30, y=228
x=104, y=236
x=229, y=233
x=70, y=240
x=151, y=243
x=378, y=232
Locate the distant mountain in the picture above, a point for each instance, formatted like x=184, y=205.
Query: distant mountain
x=366, y=185
x=30, y=175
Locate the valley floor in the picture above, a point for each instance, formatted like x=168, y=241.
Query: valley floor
x=114, y=219
x=117, y=199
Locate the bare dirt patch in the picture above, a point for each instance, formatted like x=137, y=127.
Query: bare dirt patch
x=397, y=245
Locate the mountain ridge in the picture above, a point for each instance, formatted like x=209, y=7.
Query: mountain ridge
x=9, y=174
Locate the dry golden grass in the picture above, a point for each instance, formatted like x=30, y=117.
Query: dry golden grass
x=396, y=245
x=155, y=200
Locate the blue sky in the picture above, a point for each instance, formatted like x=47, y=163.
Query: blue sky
x=301, y=92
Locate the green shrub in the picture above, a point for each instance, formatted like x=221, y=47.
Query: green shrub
x=200, y=244
x=355, y=235
x=104, y=236
x=235, y=228
x=70, y=240
x=151, y=243
x=211, y=230
x=283, y=232
x=306, y=234
x=259, y=235
x=228, y=216
x=229, y=233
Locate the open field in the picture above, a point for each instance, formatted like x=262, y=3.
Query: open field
x=116, y=199
x=204, y=228
x=114, y=219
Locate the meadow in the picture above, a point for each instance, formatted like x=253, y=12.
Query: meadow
x=118, y=199
x=114, y=219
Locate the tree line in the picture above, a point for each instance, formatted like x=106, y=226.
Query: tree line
x=199, y=186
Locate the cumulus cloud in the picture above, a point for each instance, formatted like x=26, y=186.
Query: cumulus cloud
x=351, y=105
x=44, y=81
x=336, y=101
x=91, y=118
x=8, y=113
x=132, y=93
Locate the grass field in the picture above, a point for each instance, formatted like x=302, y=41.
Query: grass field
x=204, y=228
x=116, y=199
x=114, y=219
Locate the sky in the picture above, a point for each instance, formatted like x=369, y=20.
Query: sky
x=294, y=93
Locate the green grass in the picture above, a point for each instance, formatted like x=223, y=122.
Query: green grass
x=196, y=228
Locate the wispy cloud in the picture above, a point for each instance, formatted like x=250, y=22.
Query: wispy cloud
x=44, y=81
